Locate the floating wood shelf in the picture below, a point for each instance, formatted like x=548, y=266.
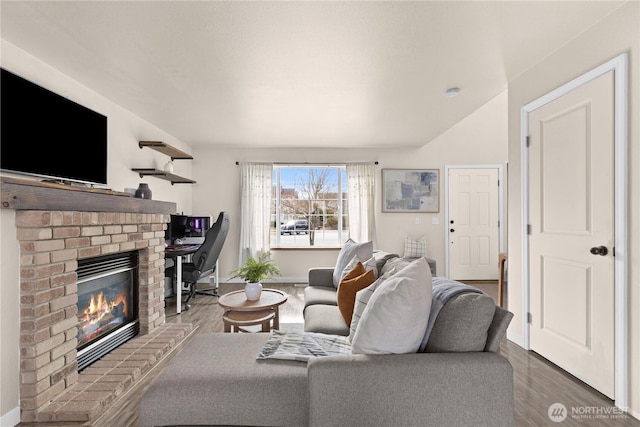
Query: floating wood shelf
x=167, y=149
x=170, y=151
x=174, y=179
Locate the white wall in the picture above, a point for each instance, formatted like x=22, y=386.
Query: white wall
x=616, y=34
x=124, y=131
x=481, y=138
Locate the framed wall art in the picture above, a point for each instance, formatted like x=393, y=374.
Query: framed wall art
x=410, y=190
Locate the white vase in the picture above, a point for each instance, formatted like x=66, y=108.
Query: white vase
x=253, y=291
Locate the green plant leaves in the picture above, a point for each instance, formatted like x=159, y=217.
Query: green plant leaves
x=256, y=270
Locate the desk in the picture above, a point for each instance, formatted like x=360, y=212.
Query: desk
x=177, y=252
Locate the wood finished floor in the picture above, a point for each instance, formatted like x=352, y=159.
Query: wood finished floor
x=537, y=383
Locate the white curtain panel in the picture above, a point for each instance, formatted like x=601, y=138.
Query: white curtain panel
x=361, y=179
x=255, y=209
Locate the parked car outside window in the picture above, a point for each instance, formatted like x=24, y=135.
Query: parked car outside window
x=300, y=226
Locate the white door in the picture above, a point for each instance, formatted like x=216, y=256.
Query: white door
x=571, y=199
x=473, y=227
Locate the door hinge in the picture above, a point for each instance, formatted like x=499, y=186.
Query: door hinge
x=613, y=251
x=527, y=141
x=529, y=318
x=529, y=229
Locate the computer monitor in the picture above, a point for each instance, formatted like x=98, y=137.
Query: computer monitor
x=176, y=229
x=197, y=226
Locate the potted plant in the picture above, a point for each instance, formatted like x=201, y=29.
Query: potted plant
x=253, y=272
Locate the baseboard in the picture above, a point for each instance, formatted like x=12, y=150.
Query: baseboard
x=11, y=418
x=276, y=280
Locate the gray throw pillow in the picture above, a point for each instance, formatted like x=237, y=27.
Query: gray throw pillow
x=462, y=324
x=381, y=258
x=396, y=264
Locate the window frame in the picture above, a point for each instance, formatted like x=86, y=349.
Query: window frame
x=341, y=203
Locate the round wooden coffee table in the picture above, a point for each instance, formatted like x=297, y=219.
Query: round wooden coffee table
x=238, y=311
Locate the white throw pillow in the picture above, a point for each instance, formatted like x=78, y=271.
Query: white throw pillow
x=362, y=299
x=396, y=317
x=369, y=265
x=348, y=251
x=415, y=248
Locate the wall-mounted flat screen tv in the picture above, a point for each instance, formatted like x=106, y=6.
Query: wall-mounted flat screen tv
x=47, y=135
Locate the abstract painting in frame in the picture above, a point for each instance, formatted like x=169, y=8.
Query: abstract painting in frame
x=410, y=190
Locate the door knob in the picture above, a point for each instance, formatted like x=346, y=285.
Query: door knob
x=600, y=250
x=452, y=230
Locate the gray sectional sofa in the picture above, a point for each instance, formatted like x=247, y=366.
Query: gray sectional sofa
x=321, y=312
x=461, y=379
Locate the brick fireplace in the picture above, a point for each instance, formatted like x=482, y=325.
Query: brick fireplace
x=51, y=243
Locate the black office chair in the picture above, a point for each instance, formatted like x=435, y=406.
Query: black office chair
x=203, y=261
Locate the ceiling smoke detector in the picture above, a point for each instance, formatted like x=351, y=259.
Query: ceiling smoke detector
x=452, y=92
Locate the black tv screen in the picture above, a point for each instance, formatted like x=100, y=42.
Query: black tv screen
x=47, y=135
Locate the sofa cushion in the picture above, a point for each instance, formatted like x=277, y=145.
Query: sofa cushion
x=381, y=259
x=415, y=248
x=348, y=288
x=400, y=263
x=326, y=295
x=362, y=299
x=364, y=251
x=396, y=264
x=462, y=324
x=396, y=316
x=369, y=264
x=443, y=291
x=357, y=269
x=325, y=319
x=214, y=379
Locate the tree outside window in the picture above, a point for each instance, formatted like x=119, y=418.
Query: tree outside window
x=310, y=206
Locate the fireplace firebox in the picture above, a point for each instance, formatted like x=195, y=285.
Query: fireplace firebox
x=107, y=304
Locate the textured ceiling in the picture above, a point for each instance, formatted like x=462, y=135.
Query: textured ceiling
x=297, y=74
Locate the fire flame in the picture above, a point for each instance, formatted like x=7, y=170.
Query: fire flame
x=99, y=307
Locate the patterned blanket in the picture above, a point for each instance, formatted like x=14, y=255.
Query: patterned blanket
x=302, y=346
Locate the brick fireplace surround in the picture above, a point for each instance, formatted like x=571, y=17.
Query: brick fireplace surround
x=77, y=225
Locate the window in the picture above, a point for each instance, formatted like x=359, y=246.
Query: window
x=309, y=206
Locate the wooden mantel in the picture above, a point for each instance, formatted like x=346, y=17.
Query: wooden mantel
x=22, y=194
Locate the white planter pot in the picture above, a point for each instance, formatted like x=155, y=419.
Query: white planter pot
x=253, y=291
